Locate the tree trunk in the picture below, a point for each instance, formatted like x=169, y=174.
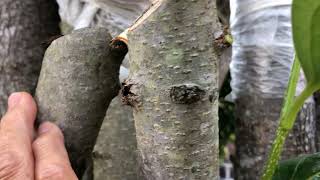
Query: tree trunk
x=115, y=152
x=114, y=156
x=79, y=78
x=317, y=102
x=24, y=26
x=256, y=124
x=173, y=90
x=263, y=53
x=116, y=162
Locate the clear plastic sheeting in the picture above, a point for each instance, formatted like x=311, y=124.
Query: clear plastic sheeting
x=263, y=49
x=116, y=15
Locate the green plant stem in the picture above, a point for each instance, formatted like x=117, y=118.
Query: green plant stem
x=282, y=133
x=296, y=106
x=275, y=153
x=286, y=124
x=291, y=89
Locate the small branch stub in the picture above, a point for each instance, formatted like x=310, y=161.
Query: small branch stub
x=123, y=37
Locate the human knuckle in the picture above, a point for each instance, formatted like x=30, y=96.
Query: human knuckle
x=52, y=172
x=15, y=115
x=40, y=143
x=10, y=164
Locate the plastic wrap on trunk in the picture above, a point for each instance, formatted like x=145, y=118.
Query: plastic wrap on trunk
x=263, y=49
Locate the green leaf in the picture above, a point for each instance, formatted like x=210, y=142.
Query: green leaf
x=305, y=167
x=306, y=36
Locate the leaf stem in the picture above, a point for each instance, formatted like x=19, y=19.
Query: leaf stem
x=275, y=154
x=291, y=89
x=286, y=124
x=279, y=141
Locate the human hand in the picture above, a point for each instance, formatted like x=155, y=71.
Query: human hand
x=26, y=154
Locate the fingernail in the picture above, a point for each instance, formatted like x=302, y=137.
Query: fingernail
x=44, y=127
x=14, y=99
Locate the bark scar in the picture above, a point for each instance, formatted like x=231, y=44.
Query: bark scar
x=186, y=93
x=220, y=42
x=127, y=96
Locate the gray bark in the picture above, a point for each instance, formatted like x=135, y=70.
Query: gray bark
x=224, y=49
x=317, y=102
x=223, y=7
x=115, y=152
x=24, y=25
x=78, y=79
x=118, y=160
x=173, y=90
x=257, y=121
x=224, y=62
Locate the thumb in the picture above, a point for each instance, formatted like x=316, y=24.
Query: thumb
x=51, y=158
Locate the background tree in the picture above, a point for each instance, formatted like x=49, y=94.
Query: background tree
x=25, y=26
x=262, y=56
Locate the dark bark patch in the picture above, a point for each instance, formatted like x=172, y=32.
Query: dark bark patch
x=193, y=169
x=127, y=96
x=186, y=93
x=46, y=43
x=119, y=45
x=213, y=96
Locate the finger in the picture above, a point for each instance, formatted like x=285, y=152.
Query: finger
x=51, y=157
x=16, y=129
x=19, y=120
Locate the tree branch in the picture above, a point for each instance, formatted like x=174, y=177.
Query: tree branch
x=79, y=78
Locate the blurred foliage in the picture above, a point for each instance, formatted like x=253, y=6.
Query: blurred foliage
x=299, y=168
x=226, y=117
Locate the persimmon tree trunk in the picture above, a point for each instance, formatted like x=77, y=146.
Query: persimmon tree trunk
x=114, y=155
x=79, y=78
x=24, y=26
x=173, y=90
